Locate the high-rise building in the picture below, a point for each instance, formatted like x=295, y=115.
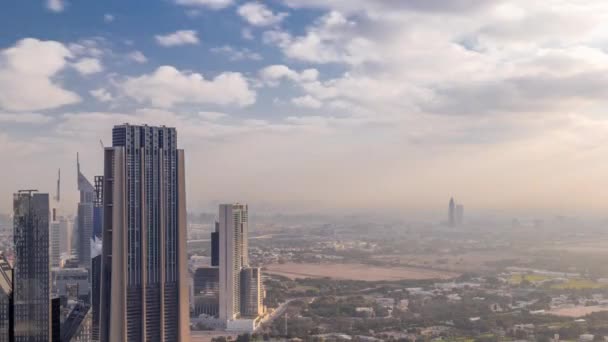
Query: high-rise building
x=98, y=208
x=95, y=296
x=85, y=219
x=71, y=283
x=206, y=291
x=215, y=246
x=459, y=214
x=451, y=213
x=31, y=269
x=251, y=293
x=144, y=277
x=55, y=244
x=56, y=319
x=6, y=301
x=233, y=229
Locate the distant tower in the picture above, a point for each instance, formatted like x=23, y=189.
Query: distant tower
x=233, y=231
x=452, y=213
x=459, y=214
x=85, y=218
x=31, y=276
x=6, y=301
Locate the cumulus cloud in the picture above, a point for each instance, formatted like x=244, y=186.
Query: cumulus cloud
x=258, y=14
x=177, y=38
x=88, y=66
x=213, y=4
x=273, y=74
x=137, y=56
x=108, y=18
x=236, y=54
x=27, y=76
x=24, y=118
x=307, y=102
x=55, y=5
x=102, y=95
x=168, y=86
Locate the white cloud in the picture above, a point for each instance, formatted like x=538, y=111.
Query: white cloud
x=307, y=102
x=168, y=86
x=137, y=56
x=177, y=38
x=213, y=4
x=273, y=74
x=87, y=47
x=108, y=18
x=88, y=66
x=102, y=95
x=27, y=76
x=258, y=14
x=236, y=54
x=55, y=5
x=247, y=34
x=212, y=116
x=25, y=118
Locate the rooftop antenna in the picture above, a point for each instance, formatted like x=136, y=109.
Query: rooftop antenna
x=101, y=143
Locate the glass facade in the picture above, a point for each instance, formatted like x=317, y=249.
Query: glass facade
x=31, y=269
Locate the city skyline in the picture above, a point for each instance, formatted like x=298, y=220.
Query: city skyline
x=319, y=97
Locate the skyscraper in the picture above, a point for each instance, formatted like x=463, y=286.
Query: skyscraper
x=251, y=292
x=144, y=284
x=451, y=213
x=55, y=241
x=85, y=218
x=6, y=301
x=233, y=231
x=31, y=270
x=215, y=246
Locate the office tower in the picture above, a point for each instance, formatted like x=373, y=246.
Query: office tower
x=451, y=213
x=55, y=244
x=95, y=296
x=31, y=269
x=206, y=291
x=233, y=257
x=251, y=292
x=6, y=301
x=56, y=320
x=459, y=214
x=98, y=208
x=85, y=219
x=77, y=326
x=215, y=246
x=71, y=283
x=144, y=286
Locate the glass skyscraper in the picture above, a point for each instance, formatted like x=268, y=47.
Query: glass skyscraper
x=31, y=269
x=85, y=218
x=144, y=286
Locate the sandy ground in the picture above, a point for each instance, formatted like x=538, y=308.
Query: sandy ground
x=355, y=272
x=578, y=311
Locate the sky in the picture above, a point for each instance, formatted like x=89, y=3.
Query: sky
x=345, y=106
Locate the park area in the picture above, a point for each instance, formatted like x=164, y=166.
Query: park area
x=356, y=272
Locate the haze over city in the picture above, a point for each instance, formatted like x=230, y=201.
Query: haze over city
x=316, y=106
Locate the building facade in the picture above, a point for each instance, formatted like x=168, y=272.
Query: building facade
x=233, y=231
x=252, y=297
x=85, y=219
x=144, y=276
x=31, y=269
x=6, y=301
x=206, y=291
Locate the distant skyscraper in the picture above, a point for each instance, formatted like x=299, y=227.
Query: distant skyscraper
x=206, y=291
x=6, y=301
x=55, y=246
x=233, y=257
x=451, y=213
x=85, y=218
x=215, y=246
x=251, y=292
x=95, y=296
x=144, y=286
x=98, y=208
x=31, y=269
x=459, y=214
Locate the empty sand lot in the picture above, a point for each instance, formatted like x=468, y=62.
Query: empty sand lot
x=356, y=272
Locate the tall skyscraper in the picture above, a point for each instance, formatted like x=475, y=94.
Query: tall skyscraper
x=85, y=218
x=31, y=270
x=251, y=292
x=233, y=231
x=451, y=213
x=6, y=301
x=215, y=246
x=144, y=286
x=98, y=208
x=95, y=296
x=55, y=241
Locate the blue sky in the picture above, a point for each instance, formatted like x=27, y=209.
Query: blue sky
x=318, y=105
